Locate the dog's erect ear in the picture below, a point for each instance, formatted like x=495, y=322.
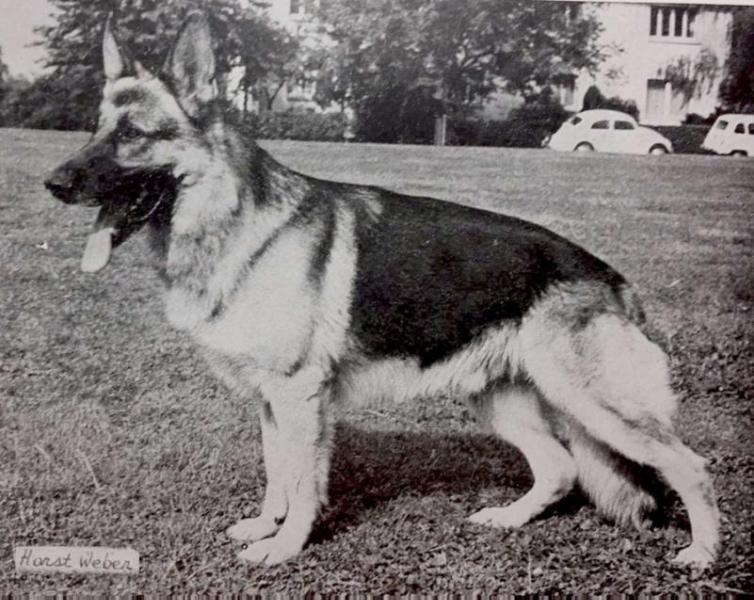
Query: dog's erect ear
x=116, y=62
x=191, y=65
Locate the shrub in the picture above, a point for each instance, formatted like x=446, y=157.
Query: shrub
x=532, y=122
x=302, y=126
x=595, y=99
x=525, y=127
x=397, y=116
x=695, y=119
x=686, y=139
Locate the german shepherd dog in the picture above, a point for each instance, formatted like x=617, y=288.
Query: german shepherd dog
x=304, y=292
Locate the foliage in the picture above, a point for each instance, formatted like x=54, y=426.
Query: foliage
x=396, y=115
x=4, y=86
x=686, y=139
x=691, y=75
x=303, y=126
x=66, y=97
x=269, y=57
x=737, y=89
x=38, y=104
x=388, y=53
x=594, y=98
x=4, y=72
x=525, y=127
x=537, y=118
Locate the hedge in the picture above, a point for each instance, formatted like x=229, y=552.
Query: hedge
x=686, y=139
x=525, y=127
x=302, y=126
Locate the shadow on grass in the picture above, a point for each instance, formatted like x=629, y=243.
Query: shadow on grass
x=371, y=468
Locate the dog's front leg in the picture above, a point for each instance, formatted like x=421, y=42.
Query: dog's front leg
x=297, y=407
x=275, y=503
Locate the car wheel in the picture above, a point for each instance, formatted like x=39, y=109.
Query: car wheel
x=738, y=153
x=584, y=147
x=658, y=149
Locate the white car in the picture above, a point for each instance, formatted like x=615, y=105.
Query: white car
x=731, y=134
x=604, y=130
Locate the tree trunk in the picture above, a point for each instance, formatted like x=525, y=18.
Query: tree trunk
x=441, y=129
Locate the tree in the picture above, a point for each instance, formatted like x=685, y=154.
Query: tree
x=4, y=71
x=73, y=45
x=737, y=89
x=455, y=52
x=268, y=56
x=594, y=98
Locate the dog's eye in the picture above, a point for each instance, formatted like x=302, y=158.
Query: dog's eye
x=130, y=132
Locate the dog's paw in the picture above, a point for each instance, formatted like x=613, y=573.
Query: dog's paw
x=501, y=516
x=252, y=530
x=271, y=551
x=695, y=556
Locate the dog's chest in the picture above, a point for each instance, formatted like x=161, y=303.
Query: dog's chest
x=264, y=316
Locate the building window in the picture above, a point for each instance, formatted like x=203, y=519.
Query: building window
x=297, y=7
x=672, y=22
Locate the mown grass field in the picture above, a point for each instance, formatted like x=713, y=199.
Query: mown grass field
x=113, y=433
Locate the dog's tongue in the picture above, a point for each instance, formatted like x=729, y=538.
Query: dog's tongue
x=97, y=251
x=100, y=242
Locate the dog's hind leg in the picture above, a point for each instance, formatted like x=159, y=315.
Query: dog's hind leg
x=275, y=503
x=612, y=380
x=517, y=415
x=299, y=406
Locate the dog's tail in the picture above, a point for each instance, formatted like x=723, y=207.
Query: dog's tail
x=617, y=372
x=622, y=490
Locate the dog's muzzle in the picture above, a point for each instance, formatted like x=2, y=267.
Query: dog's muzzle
x=67, y=186
x=127, y=199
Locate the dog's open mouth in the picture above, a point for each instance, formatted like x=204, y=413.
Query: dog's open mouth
x=122, y=213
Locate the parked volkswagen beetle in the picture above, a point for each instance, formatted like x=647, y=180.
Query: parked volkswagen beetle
x=602, y=130
x=731, y=134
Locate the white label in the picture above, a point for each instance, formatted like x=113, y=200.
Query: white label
x=76, y=559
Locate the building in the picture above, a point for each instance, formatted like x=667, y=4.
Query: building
x=667, y=58
x=296, y=17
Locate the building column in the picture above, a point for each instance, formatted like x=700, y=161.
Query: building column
x=671, y=24
x=668, y=104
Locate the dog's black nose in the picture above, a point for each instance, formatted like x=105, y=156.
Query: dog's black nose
x=60, y=183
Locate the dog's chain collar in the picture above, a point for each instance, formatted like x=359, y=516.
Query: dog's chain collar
x=154, y=208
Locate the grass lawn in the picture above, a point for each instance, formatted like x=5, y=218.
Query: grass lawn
x=113, y=433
